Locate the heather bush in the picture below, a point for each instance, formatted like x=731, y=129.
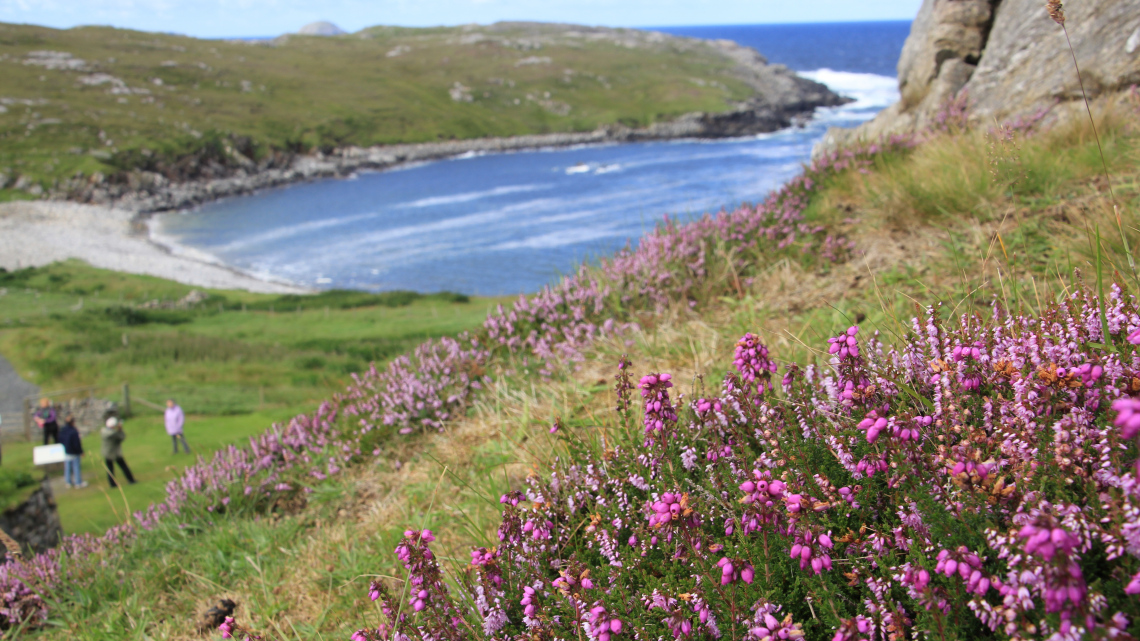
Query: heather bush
x=976, y=480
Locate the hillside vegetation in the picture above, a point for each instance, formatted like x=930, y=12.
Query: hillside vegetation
x=993, y=500
x=97, y=100
x=235, y=361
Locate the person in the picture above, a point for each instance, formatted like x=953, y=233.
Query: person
x=45, y=418
x=73, y=451
x=113, y=437
x=175, y=418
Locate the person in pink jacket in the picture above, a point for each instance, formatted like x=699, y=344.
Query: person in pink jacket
x=175, y=418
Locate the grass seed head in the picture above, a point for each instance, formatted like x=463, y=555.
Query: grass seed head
x=1056, y=11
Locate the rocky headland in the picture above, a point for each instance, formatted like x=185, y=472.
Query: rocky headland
x=780, y=99
x=1000, y=60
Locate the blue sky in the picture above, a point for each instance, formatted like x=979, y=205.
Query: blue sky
x=220, y=18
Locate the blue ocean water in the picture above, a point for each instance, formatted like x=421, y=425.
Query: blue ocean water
x=863, y=47
x=507, y=223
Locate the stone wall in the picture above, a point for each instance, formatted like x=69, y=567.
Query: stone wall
x=90, y=413
x=34, y=524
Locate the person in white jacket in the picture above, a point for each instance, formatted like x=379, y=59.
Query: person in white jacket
x=175, y=419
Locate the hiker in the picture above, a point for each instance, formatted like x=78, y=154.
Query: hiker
x=175, y=418
x=113, y=437
x=45, y=418
x=73, y=451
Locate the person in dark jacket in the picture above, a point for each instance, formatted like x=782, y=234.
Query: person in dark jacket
x=47, y=421
x=113, y=437
x=73, y=452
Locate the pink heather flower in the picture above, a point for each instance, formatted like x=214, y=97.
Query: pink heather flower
x=1127, y=415
x=1133, y=586
x=601, y=625
x=735, y=570
x=1048, y=542
x=659, y=411
x=844, y=346
x=751, y=360
x=1134, y=337
x=227, y=628
x=528, y=601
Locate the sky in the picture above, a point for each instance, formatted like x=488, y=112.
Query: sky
x=230, y=18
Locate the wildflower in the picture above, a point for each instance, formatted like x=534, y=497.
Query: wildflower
x=844, y=346
x=659, y=412
x=671, y=507
x=751, y=360
x=735, y=570
x=1127, y=416
x=602, y=625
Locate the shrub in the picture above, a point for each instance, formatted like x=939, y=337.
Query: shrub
x=975, y=481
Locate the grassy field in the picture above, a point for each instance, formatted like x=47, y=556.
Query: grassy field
x=233, y=371
x=147, y=452
x=134, y=99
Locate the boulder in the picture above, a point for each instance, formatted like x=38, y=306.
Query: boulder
x=34, y=524
x=1006, y=59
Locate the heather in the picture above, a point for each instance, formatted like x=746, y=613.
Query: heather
x=977, y=479
x=300, y=523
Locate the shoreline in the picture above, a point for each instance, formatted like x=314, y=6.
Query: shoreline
x=110, y=227
x=37, y=233
x=146, y=193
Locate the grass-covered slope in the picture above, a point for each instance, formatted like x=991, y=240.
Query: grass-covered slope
x=236, y=361
x=97, y=99
x=969, y=220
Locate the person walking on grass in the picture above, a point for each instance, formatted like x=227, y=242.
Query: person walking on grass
x=46, y=419
x=175, y=419
x=73, y=451
x=113, y=437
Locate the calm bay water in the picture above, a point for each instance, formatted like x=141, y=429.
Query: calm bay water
x=507, y=223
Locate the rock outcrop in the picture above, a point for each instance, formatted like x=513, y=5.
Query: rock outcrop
x=1005, y=59
x=34, y=524
x=321, y=28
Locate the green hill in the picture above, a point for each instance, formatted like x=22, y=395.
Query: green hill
x=98, y=99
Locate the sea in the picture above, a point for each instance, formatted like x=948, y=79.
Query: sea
x=499, y=224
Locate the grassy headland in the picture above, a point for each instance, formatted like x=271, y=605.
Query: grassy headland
x=97, y=100
x=966, y=219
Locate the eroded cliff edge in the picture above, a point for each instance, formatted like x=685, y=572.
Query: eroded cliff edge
x=1005, y=59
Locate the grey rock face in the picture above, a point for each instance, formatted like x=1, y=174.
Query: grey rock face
x=34, y=524
x=1008, y=58
x=1027, y=64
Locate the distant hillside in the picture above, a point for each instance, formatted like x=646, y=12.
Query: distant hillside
x=105, y=100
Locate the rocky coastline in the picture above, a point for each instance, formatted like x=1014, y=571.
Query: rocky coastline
x=144, y=192
x=779, y=99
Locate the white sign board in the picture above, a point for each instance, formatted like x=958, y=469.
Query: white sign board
x=45, y=454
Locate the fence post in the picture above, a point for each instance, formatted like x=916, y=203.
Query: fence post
x=126, y=411
x=28, y=418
